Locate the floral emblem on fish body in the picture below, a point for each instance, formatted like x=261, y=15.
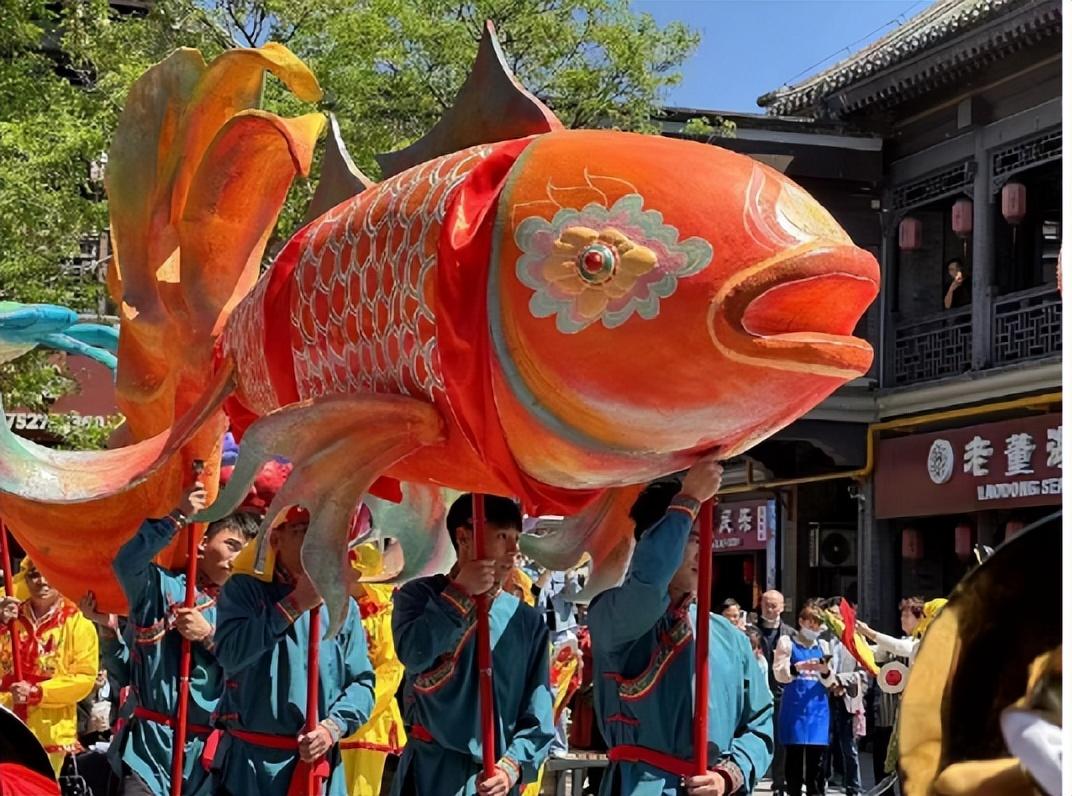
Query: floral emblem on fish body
x=604, y=264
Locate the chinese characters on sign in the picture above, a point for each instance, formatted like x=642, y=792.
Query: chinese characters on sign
x=744, y=526
x=1004, y=464
x=1019, y=460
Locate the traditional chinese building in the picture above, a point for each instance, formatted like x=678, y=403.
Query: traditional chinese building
x=940, y=142
x=964, y=413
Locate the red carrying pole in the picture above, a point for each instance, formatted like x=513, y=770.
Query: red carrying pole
x=178, y=752
x=483, y=644
x=703, y=636
x=9, y=591
x=183, y=704
x=312, y=695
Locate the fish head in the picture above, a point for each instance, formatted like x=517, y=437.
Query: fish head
x=651, y=300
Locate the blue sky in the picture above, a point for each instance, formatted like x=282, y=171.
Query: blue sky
x=749, y=47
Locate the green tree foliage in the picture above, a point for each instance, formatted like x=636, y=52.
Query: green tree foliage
x=388, y=68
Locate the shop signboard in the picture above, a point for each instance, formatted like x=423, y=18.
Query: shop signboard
x=1002, y=465
x=743, y=526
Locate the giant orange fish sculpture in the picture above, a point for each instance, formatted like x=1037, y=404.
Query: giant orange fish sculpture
x=516, y=308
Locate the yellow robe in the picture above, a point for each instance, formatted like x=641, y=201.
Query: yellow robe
x=60, y=656
x=365, y=752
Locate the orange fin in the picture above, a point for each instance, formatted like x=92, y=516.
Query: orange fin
x=491, y=106
x=339, y=446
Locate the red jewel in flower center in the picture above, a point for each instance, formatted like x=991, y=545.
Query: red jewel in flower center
x=596, y=263
x=593, y=262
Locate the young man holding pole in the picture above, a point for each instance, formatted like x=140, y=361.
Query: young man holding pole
x=436, y=634
x=155, y=597
x=268, y=635
x=644, y=659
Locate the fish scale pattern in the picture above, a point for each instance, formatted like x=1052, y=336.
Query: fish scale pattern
x=363, y=312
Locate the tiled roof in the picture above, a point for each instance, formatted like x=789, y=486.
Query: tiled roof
x=941, y=22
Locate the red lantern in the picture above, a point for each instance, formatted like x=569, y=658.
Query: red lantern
x=962, y=541
x=910, y=234
x=748, y=570
x=911, y=544
x=1014, y=202
x=1013, y=527
x=962, y=217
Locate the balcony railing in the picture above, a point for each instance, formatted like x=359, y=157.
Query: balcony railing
x=1027, y=325
x=932, y=347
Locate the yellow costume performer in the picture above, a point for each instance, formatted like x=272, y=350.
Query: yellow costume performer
x=60, y=660
x=365, y=752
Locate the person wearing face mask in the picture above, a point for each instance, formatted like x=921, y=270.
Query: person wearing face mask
x=802, y=664
x=771, y=629
x=156, y=624
x=643, y=652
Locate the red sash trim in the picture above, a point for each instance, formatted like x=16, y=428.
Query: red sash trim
x=321, y=770
x=641, y=754
x=421, y=733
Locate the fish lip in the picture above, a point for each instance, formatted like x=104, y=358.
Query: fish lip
x=822, y=352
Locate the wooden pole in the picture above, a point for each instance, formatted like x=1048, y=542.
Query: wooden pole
x=312, y=695
x=483, y=641
x=703, y=636
x=9, y=591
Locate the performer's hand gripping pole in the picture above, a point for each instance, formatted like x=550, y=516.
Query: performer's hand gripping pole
x=483, y=642
x=9, y=591
x=183, y=703
x=312, y=696
x=703, y=636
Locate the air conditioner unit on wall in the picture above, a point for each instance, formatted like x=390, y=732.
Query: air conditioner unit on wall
x=831, y=548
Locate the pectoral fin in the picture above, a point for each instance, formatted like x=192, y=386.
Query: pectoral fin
x=338, y=445
x=603, y=530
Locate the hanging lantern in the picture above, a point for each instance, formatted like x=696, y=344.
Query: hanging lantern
x=962, y=541
x=1014, y=202
x=911, y=544
x=910, y=234
x=1013, y=527
x=962, y=217
x=748, y=570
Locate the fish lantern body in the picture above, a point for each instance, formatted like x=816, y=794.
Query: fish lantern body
x=516, y=309
x=619, y=321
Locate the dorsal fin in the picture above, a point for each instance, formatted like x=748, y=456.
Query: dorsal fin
x=491, y=106
x=339, y=177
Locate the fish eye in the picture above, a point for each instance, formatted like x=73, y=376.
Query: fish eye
x=597, y=263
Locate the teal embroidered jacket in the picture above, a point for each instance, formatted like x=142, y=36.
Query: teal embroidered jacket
x=263, y=644
x=154, y=647
x=643, y=658
x=434, y=626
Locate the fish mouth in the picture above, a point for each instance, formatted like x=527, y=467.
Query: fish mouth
x=797, y=311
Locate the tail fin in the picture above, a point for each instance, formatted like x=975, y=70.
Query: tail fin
x=196, y=180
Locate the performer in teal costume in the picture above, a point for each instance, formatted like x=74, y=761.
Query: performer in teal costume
x=263, y=644
x=434, y=627
x=644, y=655
x=156, y=618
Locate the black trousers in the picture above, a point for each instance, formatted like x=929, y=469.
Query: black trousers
x=777, y=768
x=804, y=769
x=880, y=737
